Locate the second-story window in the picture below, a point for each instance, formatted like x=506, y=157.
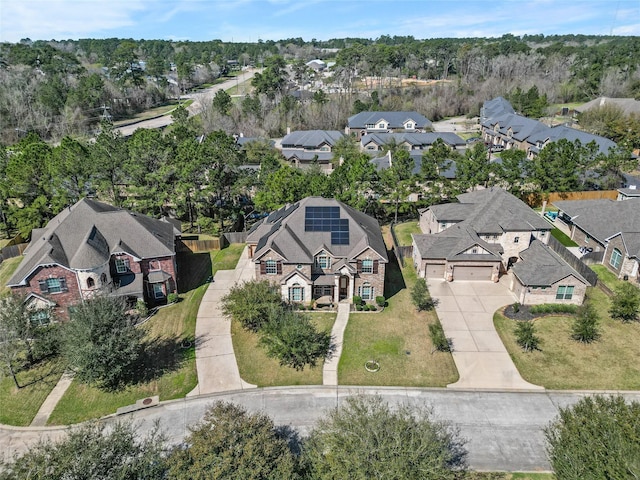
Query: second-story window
x=323, y=261
x=271, y=267
x=122, y=265
x=367, y=266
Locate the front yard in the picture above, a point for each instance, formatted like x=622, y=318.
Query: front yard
x=172, y=367
x=6, y=270
x=610, y=363
x=398, y=339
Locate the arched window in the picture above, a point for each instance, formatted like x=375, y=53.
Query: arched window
x=616, y=258
x=296, y=293
x=91, y=282
x=103, y=279
x=366, y=291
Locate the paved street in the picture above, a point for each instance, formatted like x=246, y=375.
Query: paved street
x=503, y=430
x=465, y=310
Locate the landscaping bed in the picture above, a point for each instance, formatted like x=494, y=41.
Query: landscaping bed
x=609, y=363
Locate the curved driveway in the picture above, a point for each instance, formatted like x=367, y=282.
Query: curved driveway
x=503, y=430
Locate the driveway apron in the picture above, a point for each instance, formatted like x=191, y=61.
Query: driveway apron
x=215, y=358
x=465, y=310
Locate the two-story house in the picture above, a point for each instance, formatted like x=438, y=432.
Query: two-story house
x=305, y=147
x=487, y=234
x=375, y=142
x=319, y=248
x=92, y=247
x=364, y=123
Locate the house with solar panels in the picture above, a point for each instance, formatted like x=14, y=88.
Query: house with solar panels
x=320, y=250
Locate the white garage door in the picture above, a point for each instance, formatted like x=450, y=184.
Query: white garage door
x=472, y=273
x=434, y=270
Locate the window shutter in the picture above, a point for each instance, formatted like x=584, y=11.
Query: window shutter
x=359, y=263
x=375, y=266
x=43, y=286
x=63, y=284
x=279, y=268
x=263, y=268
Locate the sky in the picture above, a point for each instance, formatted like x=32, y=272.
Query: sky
x=251, y=20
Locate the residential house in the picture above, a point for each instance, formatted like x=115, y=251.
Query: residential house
x=365, y=123
x=305, y=147
x=607, y=226
x=92, y=247
x=539, y=139
x=319, y=249
x=375, y=142
x=510, y=130
x=494, y=108
x=627, y=105
x=489, y=233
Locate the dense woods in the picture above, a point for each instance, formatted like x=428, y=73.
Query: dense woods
x=58, y=88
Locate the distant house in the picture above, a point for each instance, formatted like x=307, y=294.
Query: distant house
x=319, y=248
x=538, y=140
x=364, y=123
x=627, y=105
x=510, y=130
x=410, y=141
x=317, y=65
x=490, y=233
x=92, y=247
x=305, y=147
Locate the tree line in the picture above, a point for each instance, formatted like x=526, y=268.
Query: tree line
x=212, y=185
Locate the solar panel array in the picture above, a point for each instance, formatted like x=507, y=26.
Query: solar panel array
x=327, y=219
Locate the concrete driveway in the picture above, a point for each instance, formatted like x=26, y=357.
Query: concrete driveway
x=466, y=313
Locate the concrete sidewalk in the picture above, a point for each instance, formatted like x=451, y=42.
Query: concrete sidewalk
x=215, y=358
x=42, y=417
x=465, y=310
x=330, y=369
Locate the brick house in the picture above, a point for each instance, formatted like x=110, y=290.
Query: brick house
x=319, y=249
x=92, y=247
x=489, y=233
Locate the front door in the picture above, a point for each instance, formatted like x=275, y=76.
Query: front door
x=344, y=287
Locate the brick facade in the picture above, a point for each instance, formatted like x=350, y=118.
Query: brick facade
x=628, y=266
x=69, y=296
x=538, y=295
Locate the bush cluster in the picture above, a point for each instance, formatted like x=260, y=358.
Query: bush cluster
x=548, y=308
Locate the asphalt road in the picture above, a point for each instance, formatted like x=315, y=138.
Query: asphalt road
x=503, y=430
x=199, y=99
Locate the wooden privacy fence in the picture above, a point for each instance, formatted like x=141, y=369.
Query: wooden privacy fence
x=577, y=264
x=193, y=245
x=11, y=251
x=401, y=251
x=536, y=199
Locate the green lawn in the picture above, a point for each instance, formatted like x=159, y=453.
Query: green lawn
x=398, y=339
x=165, y=331
x=6, y=270
x=611, y=363
x=18, y=406
x=404, y=231
x=562, y=238
x=607, y=277
x=259, y=369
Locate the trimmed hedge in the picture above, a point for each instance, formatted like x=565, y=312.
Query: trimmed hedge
x=547, y=308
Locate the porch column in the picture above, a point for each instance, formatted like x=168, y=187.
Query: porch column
x=336, y=290
x=352, y=286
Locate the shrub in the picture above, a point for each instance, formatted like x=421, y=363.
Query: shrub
x=172, y=297
x=142, y=308
x=438, y=338
x=420, y=295
x=381, y=301
x=585, y=326
x=359, y=307
x=372, y=308
x=526, y=336
x=251, y=302
x=516, y=307
x=625, y=303
x=357, y=300
x=548, y=308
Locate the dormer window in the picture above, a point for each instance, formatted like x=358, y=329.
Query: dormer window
x=381, y=125
x=409, y=126
x=122, y=265
x=323, y=261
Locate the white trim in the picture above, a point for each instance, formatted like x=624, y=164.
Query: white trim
x=40, y=265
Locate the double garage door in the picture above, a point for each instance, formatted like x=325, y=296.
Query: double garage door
x=472, y=273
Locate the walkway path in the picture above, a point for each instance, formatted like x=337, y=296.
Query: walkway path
x=42, y=417
x=215, y=359
x=330, y=369
x=465, y=310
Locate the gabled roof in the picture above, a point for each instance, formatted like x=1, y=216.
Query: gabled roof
x=395, y=119
x=627, y=105
x=453, y=242
x=631, y=242
x=495, y=107
x=311, y=138
x=491, y=211
x=307, y=156
x=413, y=138
x=84, y=235
x=383, y=162
x=602, y=218
x=553, y=134
x=284, y=231
x=541, y=266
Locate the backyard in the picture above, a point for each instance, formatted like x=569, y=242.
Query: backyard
x=610, y=363
x=170, y=368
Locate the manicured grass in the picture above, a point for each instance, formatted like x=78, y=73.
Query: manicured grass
x=6, y=270
x=165, y=331
x=398, y=339
x=259, y=369
x=562, y=238
x=18, y=406
x=610, y=363
x=404, y=231
x=607, y=277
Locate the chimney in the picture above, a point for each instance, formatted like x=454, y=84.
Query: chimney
x=288, y=130
x=544, y=207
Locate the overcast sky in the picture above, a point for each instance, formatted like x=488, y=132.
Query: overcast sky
x=250, y=20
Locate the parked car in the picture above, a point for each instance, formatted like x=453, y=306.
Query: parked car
x=473, y=139
x=497, y=148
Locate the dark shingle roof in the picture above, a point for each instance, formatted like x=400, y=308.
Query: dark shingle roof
x=553, y=134
x=453, y=242
x=311, y=138
x=541, y=266
x=602, y=218
x=395, y=119
x=84, y=235
x=413, y=139
x=627, y=105
x=495, y=107
x=284, y=231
